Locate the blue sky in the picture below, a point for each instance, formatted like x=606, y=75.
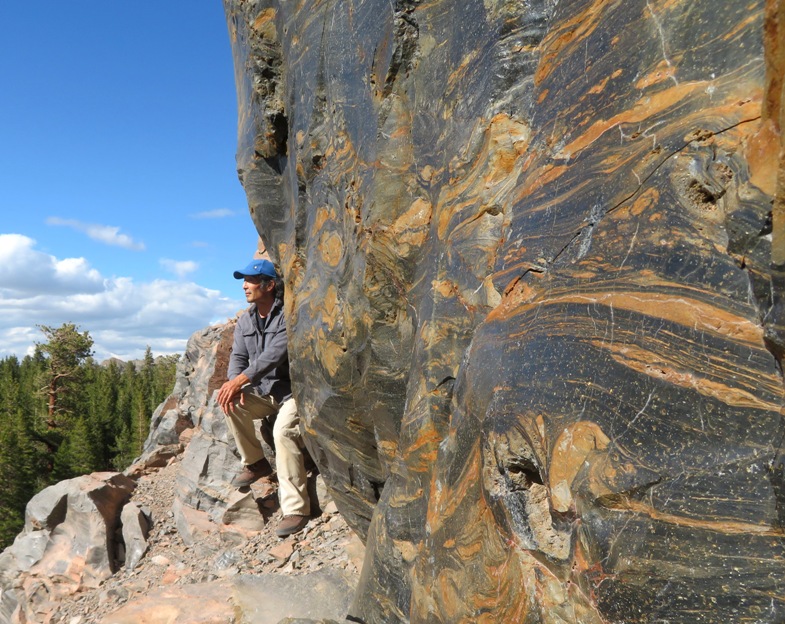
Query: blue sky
x=121, y=207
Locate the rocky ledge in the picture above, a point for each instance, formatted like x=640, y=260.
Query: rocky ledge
x=170, y=539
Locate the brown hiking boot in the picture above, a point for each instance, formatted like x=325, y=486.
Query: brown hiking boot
x=252, y=473
x=290, y=525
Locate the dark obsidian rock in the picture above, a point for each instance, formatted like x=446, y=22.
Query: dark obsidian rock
x=535, y=327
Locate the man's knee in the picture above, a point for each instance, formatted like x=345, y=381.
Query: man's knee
x=287, y=431
x=250, y=405
x=235, y=414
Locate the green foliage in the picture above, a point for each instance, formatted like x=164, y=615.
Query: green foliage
x=66, y=349
x=16, y=454
x=78, y=453
x=63, y=415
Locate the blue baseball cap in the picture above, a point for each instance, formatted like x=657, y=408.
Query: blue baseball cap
x=256, y=268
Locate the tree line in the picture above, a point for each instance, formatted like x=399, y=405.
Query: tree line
x=62, y=414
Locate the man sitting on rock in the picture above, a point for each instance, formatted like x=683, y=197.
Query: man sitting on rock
x=259, y=388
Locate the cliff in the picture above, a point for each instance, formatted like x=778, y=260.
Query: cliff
x=534, y=259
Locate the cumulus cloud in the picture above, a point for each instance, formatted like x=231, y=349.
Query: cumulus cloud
x=122, y=316
x=107, y=234
x=23, y=269
x=180, y=268
x=219, y=213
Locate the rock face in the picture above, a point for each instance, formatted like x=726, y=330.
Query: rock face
x=534, y=257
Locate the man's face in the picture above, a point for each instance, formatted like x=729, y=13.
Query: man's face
x=255, y=288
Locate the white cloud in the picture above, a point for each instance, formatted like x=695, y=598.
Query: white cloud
x=122, y=316
x=26, y=270
x=219, y=213
x=19, y=341
x=107, y=234
x=180, y=268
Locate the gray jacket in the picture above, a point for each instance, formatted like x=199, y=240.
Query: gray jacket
x=260, y=351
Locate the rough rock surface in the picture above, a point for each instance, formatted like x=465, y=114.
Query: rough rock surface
x=68, y=545
x=211, y=578
x=173, y=541
x=258, y=599
x=534, y=261
x=135, y=524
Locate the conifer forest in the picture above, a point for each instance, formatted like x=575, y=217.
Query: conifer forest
x=62, y=414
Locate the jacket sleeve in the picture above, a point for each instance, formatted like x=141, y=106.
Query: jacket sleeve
x=238, y=359
x=275, y=353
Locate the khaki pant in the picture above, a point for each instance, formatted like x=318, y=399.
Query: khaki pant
x=289, y=460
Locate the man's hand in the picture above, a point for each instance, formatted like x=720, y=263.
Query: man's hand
x=229, y=391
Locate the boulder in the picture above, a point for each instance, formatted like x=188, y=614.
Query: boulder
x=192, y=524
x=136, y=528
x=533, y=255
x=209, y=464
x=166, y=423
x=48, y=508
x=200, y=372
x=68, y=544
x=156, y=457
x=200, y=603
x=269, y=598
x=262, y=599
x=242, y=511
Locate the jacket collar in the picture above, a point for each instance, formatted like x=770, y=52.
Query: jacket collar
x=254, y=314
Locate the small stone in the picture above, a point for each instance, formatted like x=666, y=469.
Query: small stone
x=113, y=595
x=137, y=586
x=226, y=559
x=282, y=551
x=172, y=575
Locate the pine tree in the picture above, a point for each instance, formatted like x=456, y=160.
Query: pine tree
x=63, y=415
x=17, y=482
x=124, y=448
x=77, y=455
x=147, y=381
x=67, y=349
x=100, y=389
x=165, y=376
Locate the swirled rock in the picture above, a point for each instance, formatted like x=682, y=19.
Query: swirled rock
x=534, y=264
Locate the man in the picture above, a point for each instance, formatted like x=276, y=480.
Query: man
x=259, y=388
